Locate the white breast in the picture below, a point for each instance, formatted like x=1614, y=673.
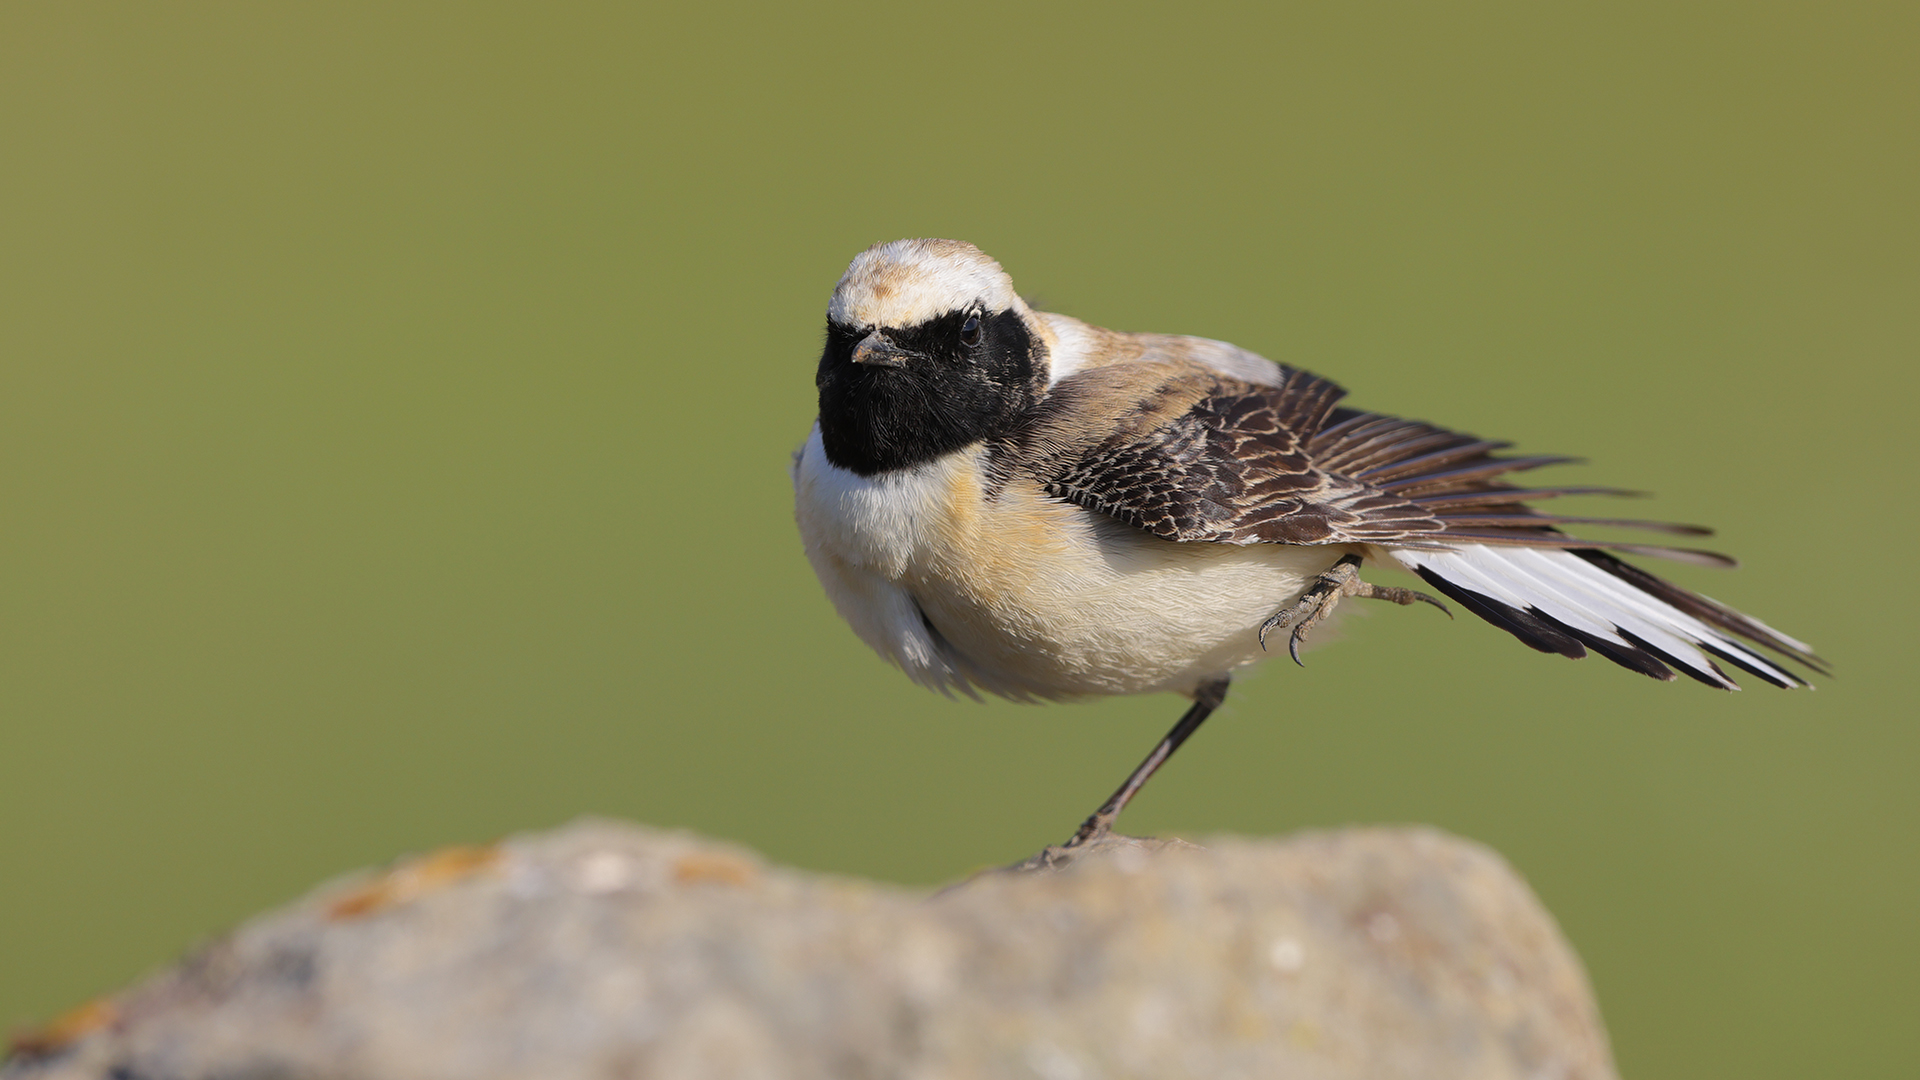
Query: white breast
x=1023, y=595
x=862, y=535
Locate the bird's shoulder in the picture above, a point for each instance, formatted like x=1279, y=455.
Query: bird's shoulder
x=1074, y=346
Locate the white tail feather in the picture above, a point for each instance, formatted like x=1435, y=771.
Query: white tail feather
x=1574, y=592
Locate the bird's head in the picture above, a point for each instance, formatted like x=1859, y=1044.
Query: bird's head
x=928, y=350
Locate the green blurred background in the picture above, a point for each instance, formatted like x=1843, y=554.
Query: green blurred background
x=396, y=402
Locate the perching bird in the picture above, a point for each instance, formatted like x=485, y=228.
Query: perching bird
x=1005, y=500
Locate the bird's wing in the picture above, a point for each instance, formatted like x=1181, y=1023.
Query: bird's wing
x=1192, y=455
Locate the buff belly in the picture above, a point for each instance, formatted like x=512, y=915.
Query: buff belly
x=1076, y=604
x=1016, y=593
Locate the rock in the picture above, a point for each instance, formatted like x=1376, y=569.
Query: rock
x=605, y=950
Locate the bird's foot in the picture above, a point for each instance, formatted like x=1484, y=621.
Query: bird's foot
x=1130, y=849
x=1051, y=857
x=1340, y=581
x=1093, y=832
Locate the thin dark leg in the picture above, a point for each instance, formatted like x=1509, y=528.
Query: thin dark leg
x=1205, y=700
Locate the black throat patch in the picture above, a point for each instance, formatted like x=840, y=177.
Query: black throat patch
x=944, y=395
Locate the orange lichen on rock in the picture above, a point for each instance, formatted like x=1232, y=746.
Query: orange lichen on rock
x=413, y=879
x=714, y=867
x=66, y=1029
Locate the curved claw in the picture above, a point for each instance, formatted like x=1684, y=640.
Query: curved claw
x=1408, y=596
x=1278, y=620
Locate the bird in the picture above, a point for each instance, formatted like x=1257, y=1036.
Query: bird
x=1007, y=501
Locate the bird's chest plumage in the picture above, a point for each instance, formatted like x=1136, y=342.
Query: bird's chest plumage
x=963, y=554
x=1017, y=593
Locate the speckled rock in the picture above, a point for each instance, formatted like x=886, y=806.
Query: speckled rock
x=604, y=950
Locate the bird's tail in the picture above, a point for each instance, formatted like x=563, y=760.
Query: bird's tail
x=1569, y=601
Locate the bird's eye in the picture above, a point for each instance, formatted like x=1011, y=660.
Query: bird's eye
x=970, y=330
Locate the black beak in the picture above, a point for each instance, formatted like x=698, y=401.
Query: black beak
x=878, y=351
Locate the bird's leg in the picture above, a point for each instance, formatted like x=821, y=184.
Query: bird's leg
x=1341, y=580
x=1206, y=699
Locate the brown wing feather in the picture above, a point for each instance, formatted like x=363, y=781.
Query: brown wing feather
x=1192, y=455
x=1188, y=454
